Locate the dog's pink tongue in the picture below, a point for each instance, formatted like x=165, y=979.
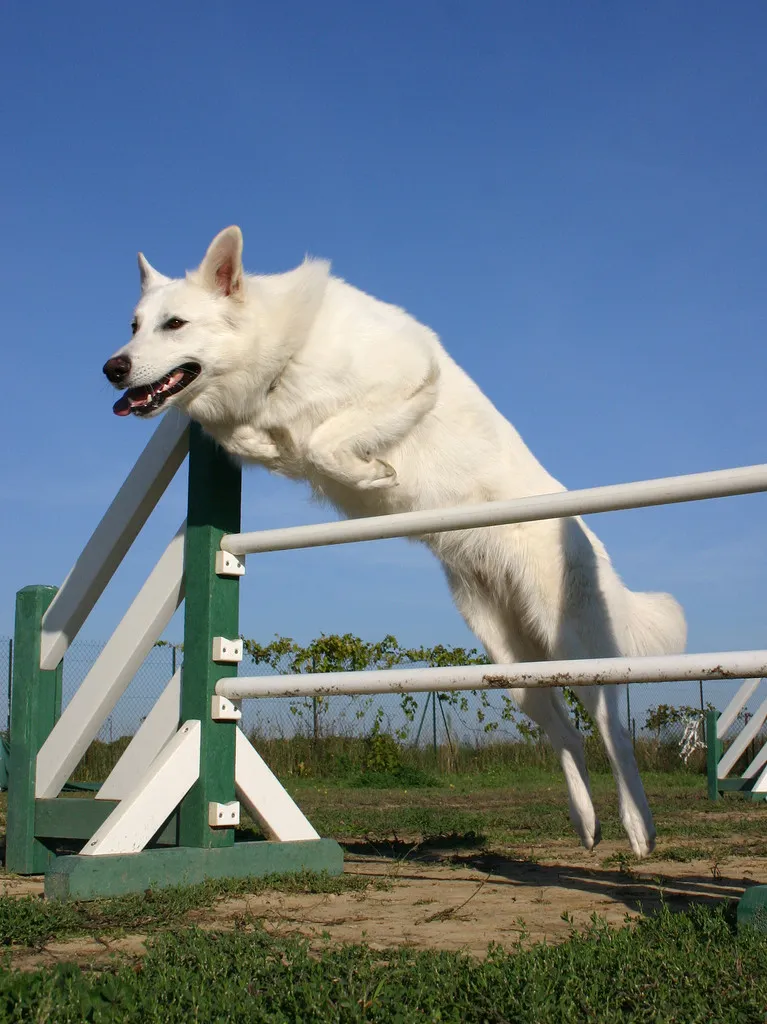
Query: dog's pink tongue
x=122, y=406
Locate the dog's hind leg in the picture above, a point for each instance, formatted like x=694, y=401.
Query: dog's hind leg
x=494, y=625
x=601, y=702
x=345, y=446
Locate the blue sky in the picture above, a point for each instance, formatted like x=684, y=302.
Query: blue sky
x=572, y=195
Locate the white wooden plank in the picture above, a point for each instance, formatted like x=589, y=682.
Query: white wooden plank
x=113, y=670
x=153, y=798
x=758, y=763
x=749, y=732
x=760, y=786
x=143, y=487
x=735, y=706
x=265, y=798
x=157, y=729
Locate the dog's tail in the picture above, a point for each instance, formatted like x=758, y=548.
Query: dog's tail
x=655, y=625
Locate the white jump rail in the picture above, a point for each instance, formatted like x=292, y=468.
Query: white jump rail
x=721, y=483
x=584, y=672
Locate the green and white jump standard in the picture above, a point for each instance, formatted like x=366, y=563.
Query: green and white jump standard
x=167, y=813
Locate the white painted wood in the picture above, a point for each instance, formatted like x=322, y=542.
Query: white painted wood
x=757, y=764
x=224, y=815
x=157, y=729
x=229, y=565
x=265, y=798
x=641, y=494
x=153, y=798
x=144, y=486
x=223, y=710
x=736, y=705
x=226, y=651
x=760, y=786
x=113, y=670
x=749, y=732
x=583, y=672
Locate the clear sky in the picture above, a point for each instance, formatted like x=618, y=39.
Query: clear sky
x=571, y=194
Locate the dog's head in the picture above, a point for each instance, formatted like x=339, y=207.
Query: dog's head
x=186, y=333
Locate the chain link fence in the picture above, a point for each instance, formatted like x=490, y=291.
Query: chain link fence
x=656, y=711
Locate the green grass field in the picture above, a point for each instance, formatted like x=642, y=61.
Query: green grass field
x=688, y=966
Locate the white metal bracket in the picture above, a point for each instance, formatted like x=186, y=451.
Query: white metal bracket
x=223, y=710
x=224, y=815
x=227, y=651
x=228, y=564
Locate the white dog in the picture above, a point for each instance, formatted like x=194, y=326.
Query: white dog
x=304, y=374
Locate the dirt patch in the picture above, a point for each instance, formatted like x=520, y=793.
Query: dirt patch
x=451, y=899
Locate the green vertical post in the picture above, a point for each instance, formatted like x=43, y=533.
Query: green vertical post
x=211, y=609
x=713, y=755
x=35, y=707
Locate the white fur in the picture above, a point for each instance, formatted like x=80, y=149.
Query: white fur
x=316, y=380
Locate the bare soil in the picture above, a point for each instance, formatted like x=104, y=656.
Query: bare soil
x=453, y=899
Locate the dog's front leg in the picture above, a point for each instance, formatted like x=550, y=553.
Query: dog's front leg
x=253, y=444
x=345, y=446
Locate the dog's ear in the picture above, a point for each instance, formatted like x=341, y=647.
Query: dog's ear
x=221, y=270
x=150, y=278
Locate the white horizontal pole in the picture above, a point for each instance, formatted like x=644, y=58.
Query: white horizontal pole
x=665, y=491
x=119, y=527
x=524, y=675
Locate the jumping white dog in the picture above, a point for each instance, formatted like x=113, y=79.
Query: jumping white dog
x=312, y=378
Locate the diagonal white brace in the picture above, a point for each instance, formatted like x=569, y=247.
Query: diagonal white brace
x=153, y=799
x=119, y=527
x=265, y=798
x=157, y=729
x=113, y=670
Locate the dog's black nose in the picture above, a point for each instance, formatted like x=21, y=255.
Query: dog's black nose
x=117, y=369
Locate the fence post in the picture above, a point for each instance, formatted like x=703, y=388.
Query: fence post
x=713, y=755
x=34, y=711
x=211, y=609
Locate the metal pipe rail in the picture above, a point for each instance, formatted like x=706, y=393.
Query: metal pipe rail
x=585, y=672
x=720, y=483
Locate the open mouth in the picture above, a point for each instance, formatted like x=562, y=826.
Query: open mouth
x=148, y=398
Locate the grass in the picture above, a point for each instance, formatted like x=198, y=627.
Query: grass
x=30, y=921
x=690, y=968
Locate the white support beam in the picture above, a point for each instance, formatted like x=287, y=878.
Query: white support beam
x=749, y=732
x=113, y=670
x=526, y=675
x=157, y=729
x=736, y=705
x=265, y=798
x=642, y=494
x=143, y=488
x=153, y=798
x=760, y=786
x=757, y=764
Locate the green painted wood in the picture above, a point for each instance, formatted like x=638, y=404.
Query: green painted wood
x=752, y=908
x=713, y=755
x=735, y=785
x=35, y=706
x=211, y=609
x=88, y=878
x=79, y=818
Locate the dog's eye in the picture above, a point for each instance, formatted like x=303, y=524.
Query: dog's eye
x=134, y=325
x=173, y=323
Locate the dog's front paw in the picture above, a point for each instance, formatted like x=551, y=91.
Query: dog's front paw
x=382, y=475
